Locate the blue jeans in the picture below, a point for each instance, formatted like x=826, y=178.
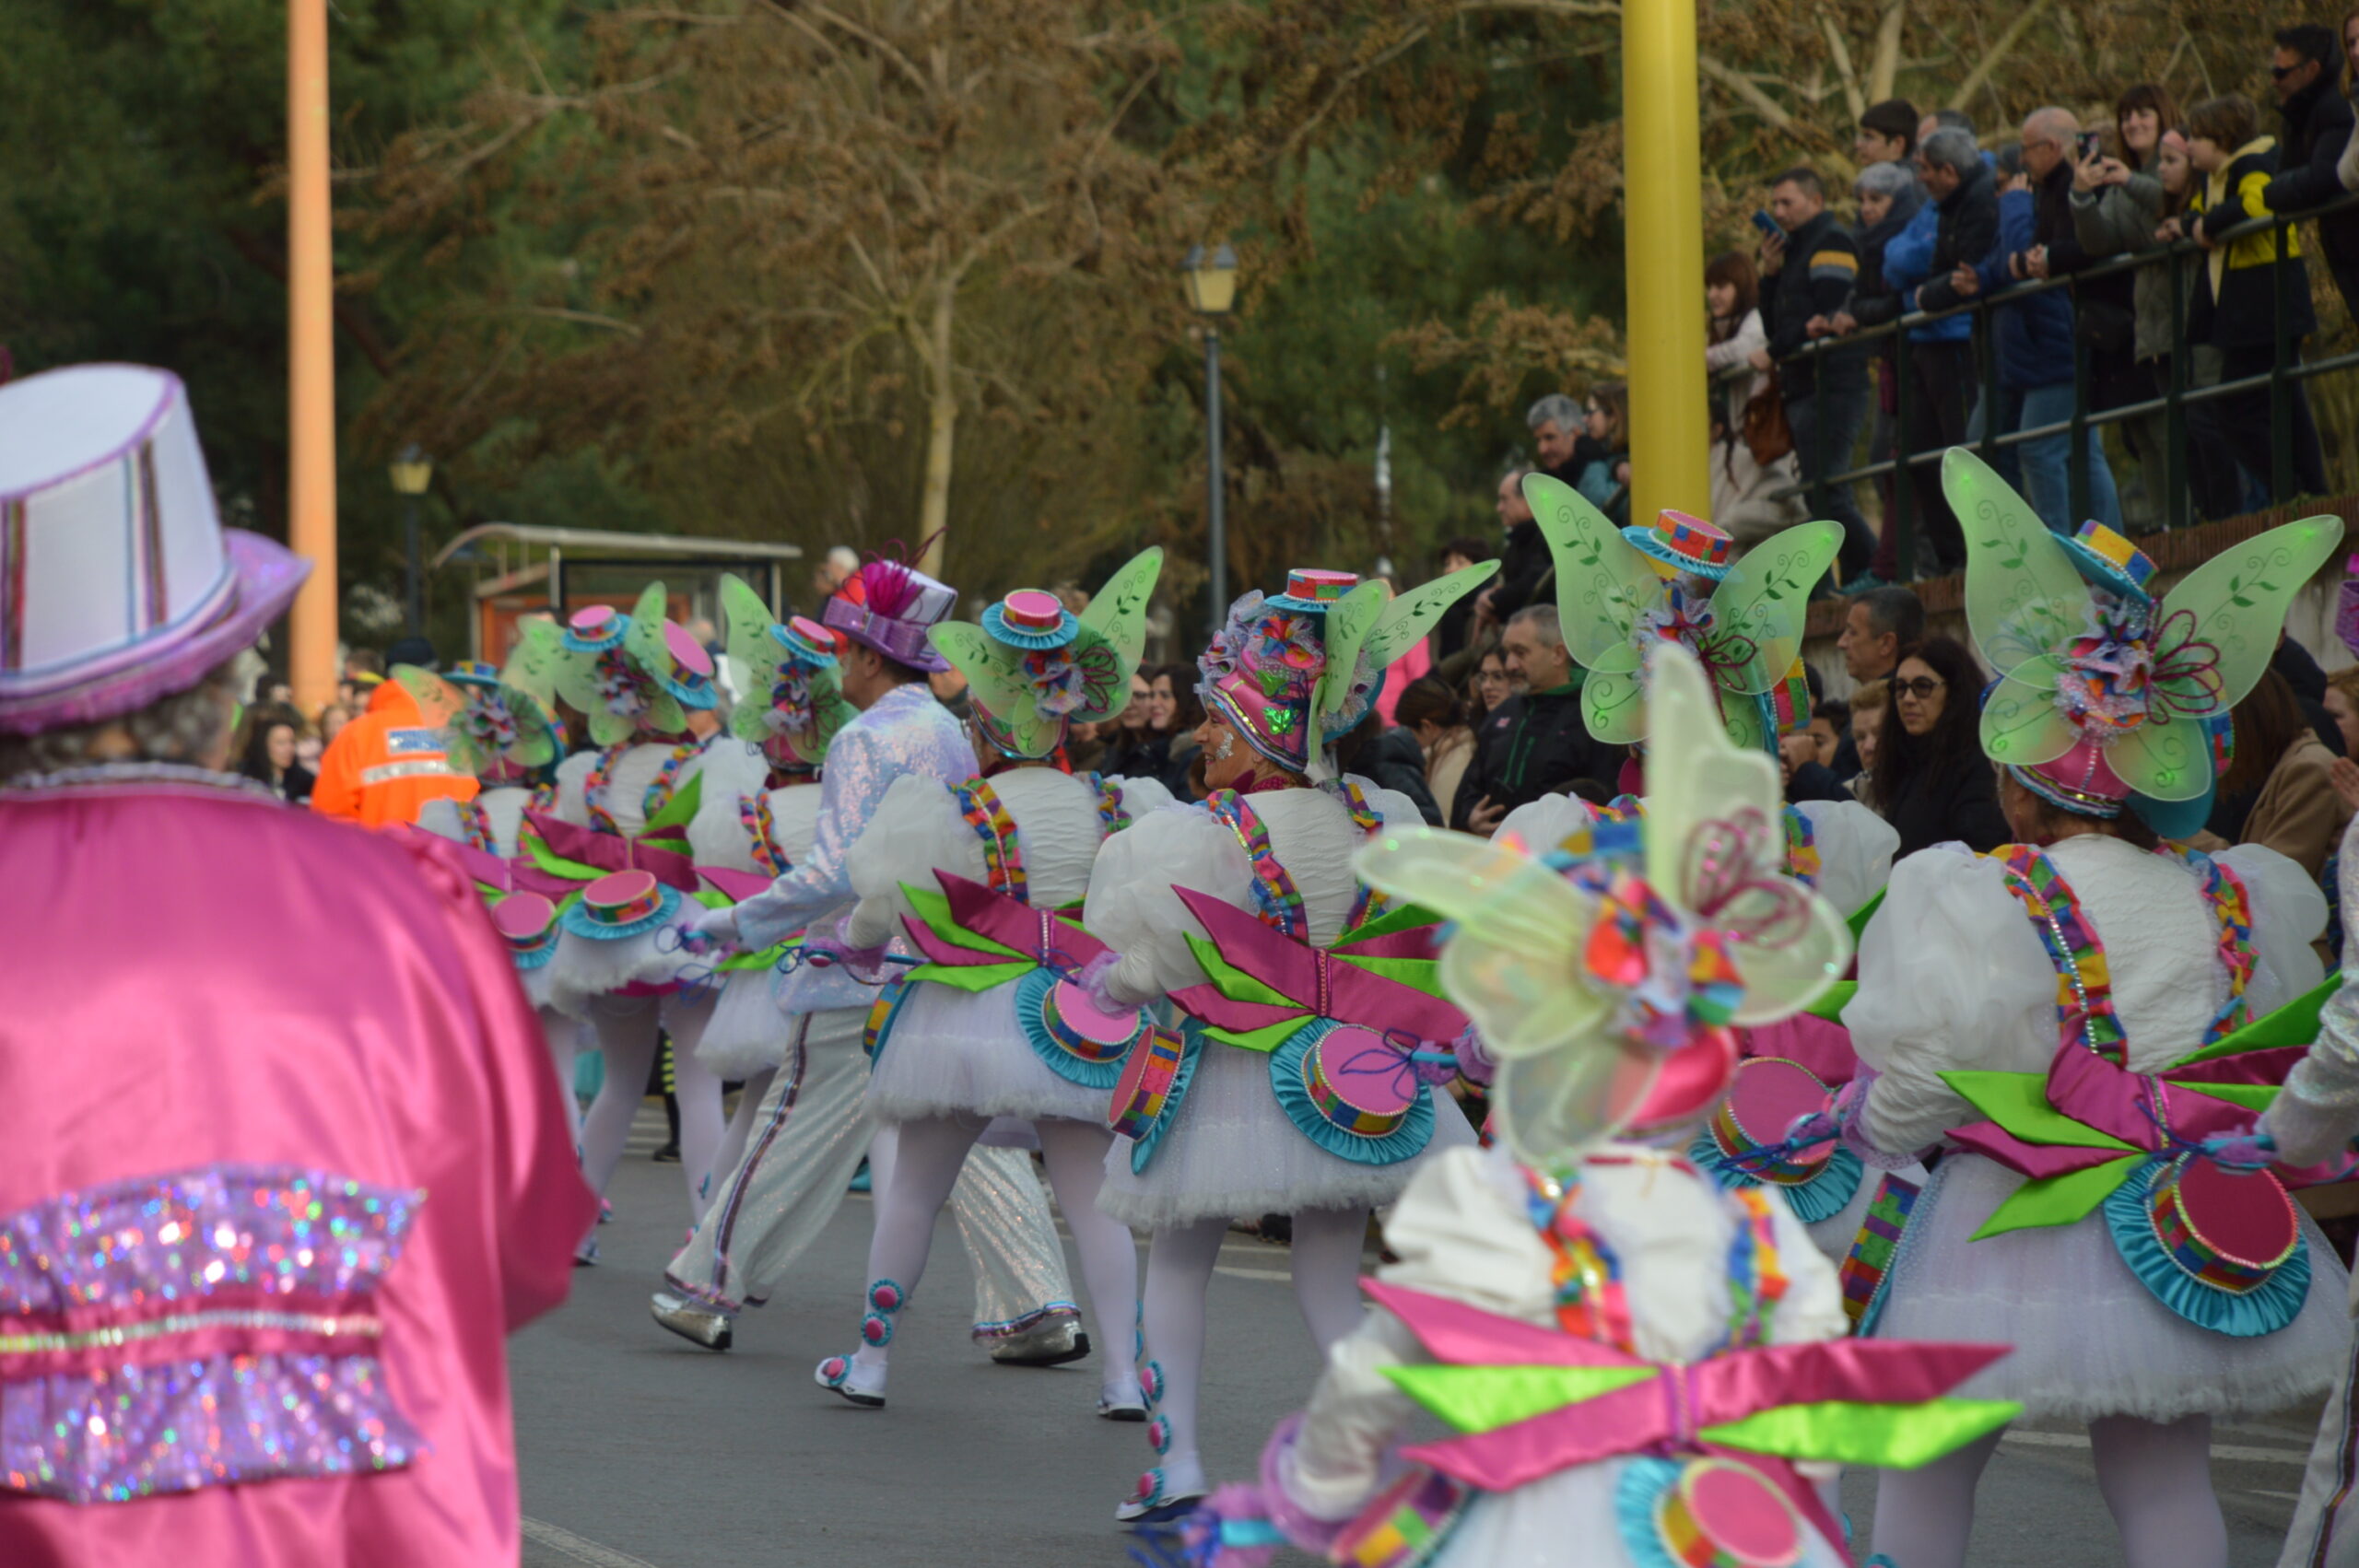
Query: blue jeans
x=2047, y=462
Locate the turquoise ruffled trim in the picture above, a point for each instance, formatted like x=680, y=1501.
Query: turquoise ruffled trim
x=1635, y=1498
x=537, y=958
x=1030, y=992
x=996, y=622
x=1404, y=1142
x=1821, y=1197
x=2262, y=1310
x=1191, y=1046
x=576, y=918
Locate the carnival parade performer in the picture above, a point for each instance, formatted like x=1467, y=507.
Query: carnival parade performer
x=992, y=1024
x=510, y=744
x=1222, y=906
x=284, y=1171
x=2048, y=1013
x=619, y=821
x=808, y=1130
x=1622, y=1354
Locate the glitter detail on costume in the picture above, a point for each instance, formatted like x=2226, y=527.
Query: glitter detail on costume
x=208, y=1328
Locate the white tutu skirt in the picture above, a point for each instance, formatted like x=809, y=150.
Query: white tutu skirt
x=1529, y=1526
x=746, y=1034
x=1230, y=1152
x=2089, y=1339
x=962, y=1053
x=536, y=982
x=588, y=968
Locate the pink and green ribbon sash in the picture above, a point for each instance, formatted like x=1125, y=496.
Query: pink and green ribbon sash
x=975, y=938
x=1261, y=986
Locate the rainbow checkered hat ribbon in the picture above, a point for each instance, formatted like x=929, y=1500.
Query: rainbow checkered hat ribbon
x=2110, y=561
x=1685, y=543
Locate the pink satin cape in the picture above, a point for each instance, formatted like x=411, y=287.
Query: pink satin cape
x=196, y=977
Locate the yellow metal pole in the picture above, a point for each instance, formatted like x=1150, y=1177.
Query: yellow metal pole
x=1663, y=258
x=311, y=355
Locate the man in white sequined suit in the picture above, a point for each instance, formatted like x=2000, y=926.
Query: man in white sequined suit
x=811, y=1130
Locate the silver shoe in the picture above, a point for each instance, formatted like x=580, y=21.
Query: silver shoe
x=1052, y=1343
x=691, y=1320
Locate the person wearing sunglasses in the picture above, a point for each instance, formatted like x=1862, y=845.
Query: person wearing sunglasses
x=1930, y=779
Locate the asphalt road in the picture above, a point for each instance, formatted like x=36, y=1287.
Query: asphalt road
x=641, y=1451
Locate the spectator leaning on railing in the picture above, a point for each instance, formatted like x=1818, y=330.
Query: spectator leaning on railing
x=1811, y=265
x=1965, y=227
x=1890, y=200
x=2032, y=338
x=2237, y=297
x=2306, y=71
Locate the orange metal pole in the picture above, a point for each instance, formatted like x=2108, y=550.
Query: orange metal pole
x=311, y=355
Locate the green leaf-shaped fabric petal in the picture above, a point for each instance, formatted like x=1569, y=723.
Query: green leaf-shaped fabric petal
x=973, y=977
x=1890, y=1437
x=2022, y=726
x=2231, y=608
x=2295, y=1024
x=1603, y=583
x=2251, y=1096
x=2059, y=1199
x=679, y=811
x=2023, y=596
x=1265, y=1039
x=1764, y=601
x=1482, y=1399
x=2018, y=1103
x=933, y=907
x=1231, y=981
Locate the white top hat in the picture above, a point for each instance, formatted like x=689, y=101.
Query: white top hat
x=118, y=584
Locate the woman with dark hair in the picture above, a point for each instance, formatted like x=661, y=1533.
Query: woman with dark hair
x=1930, y=779
x=1179, y=710
x=2140, y=116
x=1746, y=493
x=1431, y=711
x=1488, y=687
x=2280, y=789
x=267, y=753
x=1135, y=747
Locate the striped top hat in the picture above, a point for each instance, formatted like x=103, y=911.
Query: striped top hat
x=1685, y=543
x=118, y=584
x=2111, y=561
x=1310, y=589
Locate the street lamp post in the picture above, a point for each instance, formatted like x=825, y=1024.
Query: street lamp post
x=1212, y=293
x=413, y=470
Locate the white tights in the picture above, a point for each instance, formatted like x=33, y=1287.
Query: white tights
x=1325, y=1258
x=564, y=1036
x=627, y=1028
x=2155, y=1479
x=913, y=1175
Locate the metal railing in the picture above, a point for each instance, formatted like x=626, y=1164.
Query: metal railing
x=2172, y=403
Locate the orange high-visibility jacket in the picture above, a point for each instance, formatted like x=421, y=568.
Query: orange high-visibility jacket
x=385, y=764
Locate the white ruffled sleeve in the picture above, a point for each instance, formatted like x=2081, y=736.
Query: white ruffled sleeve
x=572, y=779
x=1393, y=808
x=1547, y=822
x=1950, y=976
x=1131, y=907
x=717, y=834
x=917, y=829
x=2288, y=915
x=2318, y=1108
x=1141, y=796
x=1855, y=849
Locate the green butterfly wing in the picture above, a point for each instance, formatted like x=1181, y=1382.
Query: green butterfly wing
x=537, y=665
x=834, y=712
x=1613, y=705
x=747, y=619
x=2166, y=757
x=2023, y=596
x=1758, y=610
x=1349, y=624
x=2231, y=608
x=2022, y=726
x=1415, y=612
x=1603, y=583
x=1117, y=613
x=644, y=642
x=1106, y=676
x=442, y=705
x=538, y=742
x=995, y=675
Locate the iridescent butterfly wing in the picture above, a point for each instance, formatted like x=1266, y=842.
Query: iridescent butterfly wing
x=644, y=642
x=538, y=664
x=996, y=680
x=1412, y=615
x=2213, y=637
x=746, y=622
x=442, y=705
x=1350, y=621
x=2023, y=597
x=1614, y=706
x=540, y=740
x=1117, y=618
x=1603, y=583
x=1715, y=842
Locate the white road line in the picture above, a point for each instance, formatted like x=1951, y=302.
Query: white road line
x=1254, y=1273
x=579, y=1548
x=2219, y=1450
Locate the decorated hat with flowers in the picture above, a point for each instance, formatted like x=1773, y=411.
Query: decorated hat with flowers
x=1033, y=667
x=1292, y=672
x=1606, y=976
x=1623, y=591
x=497, y=733
x=629, y=674
x=890, y=606
x=2106, y=695
x=791, y=703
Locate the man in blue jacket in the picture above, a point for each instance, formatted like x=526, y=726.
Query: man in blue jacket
x=2032, y=337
